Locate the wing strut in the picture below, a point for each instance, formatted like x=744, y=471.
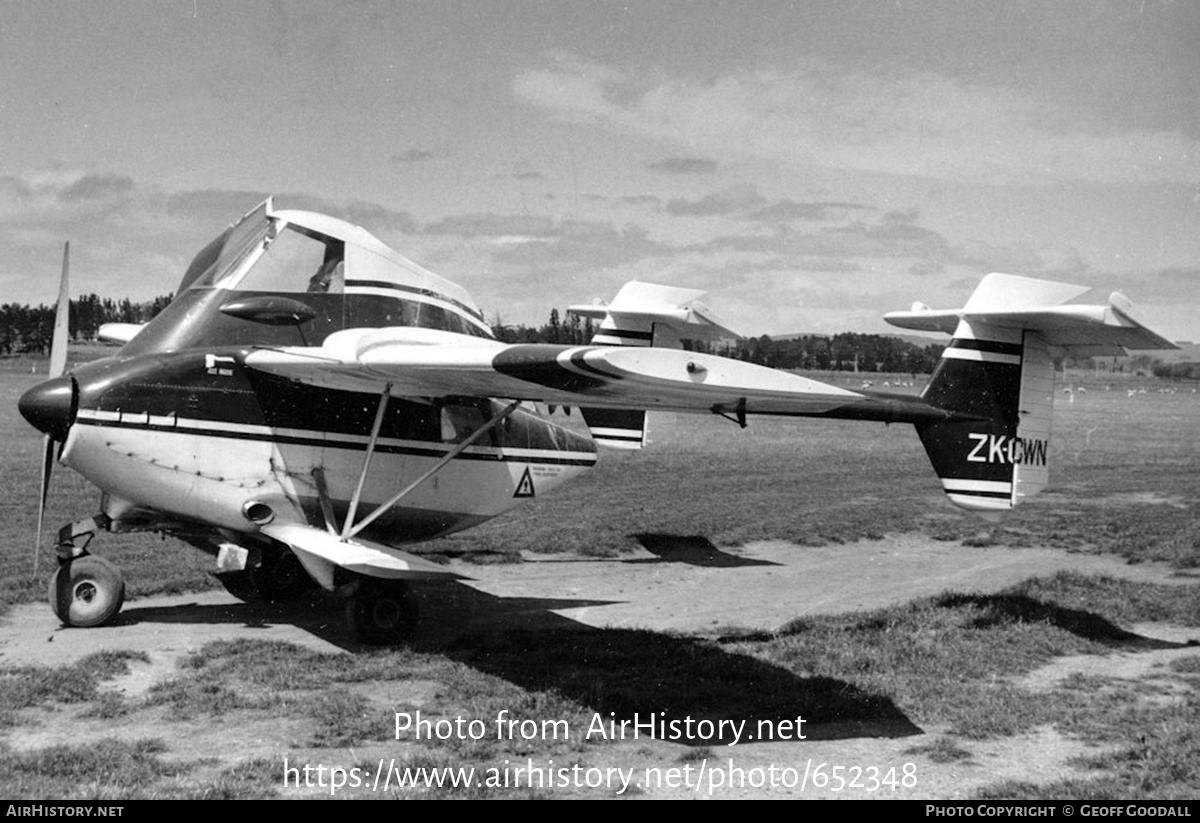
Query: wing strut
x=362, y=477
x=739, y=410
x=331, y=525
x=349, y=531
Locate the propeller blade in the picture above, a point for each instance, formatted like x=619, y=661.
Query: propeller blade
x=47, y=466
x=62, y=319
x=58, y=365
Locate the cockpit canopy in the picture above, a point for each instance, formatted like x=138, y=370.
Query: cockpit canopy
x=344, y=276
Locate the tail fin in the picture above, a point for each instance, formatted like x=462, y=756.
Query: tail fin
x=990, y=463
x=644, y=314
x=997, y=376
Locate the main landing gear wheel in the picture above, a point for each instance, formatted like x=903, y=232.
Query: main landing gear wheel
x=86, y=591
x=382, y=612
x=279, y=576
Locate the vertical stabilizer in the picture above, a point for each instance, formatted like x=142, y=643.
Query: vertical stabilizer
x=1001, y=380
x=997, y=376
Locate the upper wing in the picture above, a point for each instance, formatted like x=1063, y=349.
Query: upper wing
x=424, y=363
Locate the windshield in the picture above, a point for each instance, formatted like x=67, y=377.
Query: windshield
x=255, y=255
x=227, y=251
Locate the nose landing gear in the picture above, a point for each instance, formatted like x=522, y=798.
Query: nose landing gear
x=86, y=591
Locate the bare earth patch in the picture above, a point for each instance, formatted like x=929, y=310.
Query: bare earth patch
x=676, y=584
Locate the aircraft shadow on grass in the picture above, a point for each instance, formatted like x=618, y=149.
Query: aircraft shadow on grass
x=618, y=671
x=1000, y=608
x=694, y=550
x=627, y=671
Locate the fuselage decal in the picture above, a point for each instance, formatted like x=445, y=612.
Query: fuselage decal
x=1002, y=449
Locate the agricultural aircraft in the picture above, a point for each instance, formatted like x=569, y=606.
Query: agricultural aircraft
x=311, y=401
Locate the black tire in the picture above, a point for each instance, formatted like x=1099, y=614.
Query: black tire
x=279, y=576
x=87, y=591
x=382, y=613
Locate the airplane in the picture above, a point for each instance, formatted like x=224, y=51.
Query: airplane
x=311, y=402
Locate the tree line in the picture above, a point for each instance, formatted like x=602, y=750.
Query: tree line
x=840, y=352
x=1176, y=371
x=848, y=351
x=30, y=329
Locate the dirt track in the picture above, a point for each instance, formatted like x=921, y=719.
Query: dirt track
x=682, y=585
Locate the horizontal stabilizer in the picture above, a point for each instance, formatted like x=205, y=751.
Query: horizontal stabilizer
x=648, y=314
x=1017, y=303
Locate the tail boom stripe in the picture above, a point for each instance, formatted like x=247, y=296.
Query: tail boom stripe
x=957, y=353
x=994, y=346
x=995, y=487
x=979, y=503
x=634, y=435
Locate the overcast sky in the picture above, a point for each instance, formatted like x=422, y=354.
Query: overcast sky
x=811, y=164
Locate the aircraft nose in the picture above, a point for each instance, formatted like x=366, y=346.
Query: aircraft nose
x=50, y=407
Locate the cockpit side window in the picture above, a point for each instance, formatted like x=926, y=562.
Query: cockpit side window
x=298, y=261
x=459, y=421
x=330, y=276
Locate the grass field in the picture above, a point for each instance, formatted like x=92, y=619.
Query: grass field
x=1125, y=479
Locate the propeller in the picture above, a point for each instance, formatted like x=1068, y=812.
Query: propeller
x=58, y=365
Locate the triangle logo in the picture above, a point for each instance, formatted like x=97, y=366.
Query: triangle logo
x=525, y=486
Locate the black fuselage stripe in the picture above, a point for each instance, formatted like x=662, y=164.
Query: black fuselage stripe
x=625, y=333
x=992, y=346
x=383, y=284
x=578, y=361
x=975, y=493
x=317, y=442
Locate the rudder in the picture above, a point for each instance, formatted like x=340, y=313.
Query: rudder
x=1000, y=384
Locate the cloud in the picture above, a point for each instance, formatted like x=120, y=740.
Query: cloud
x=733, y=200
x=374, y=218
x=412, y=156
x=909, y=123
x=857, y=239
x=926, y=267
x=214, y=207
x=543, y=245
x=129, y=238
x=789, y=211
x=684, y=165
x=581, y=246
x=642, y=200
x=96, y=186
x=987, y=257
x=909, y=215
x=492, y=225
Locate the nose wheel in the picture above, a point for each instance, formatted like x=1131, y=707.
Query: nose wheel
x=86, y=591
